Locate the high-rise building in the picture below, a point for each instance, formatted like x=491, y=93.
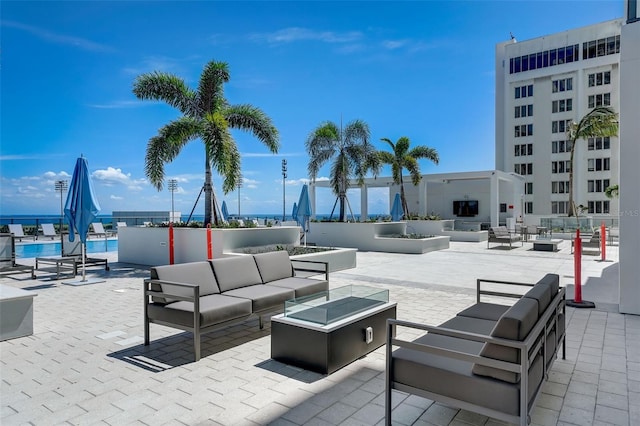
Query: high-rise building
x=542, y=85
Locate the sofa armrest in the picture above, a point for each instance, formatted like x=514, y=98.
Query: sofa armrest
x=480, y=291
x=320, y=267
x=149, y=292
x=450, y=353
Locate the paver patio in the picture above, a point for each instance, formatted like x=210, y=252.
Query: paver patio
x=85, y=362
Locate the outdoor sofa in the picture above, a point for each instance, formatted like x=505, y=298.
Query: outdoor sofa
x=490, y=358
x=500, y=234
x=204, y=296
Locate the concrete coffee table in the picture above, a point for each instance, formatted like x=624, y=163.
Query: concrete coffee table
x=546, y=244
x=328, y=330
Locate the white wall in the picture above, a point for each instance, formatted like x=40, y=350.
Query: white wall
x=629, y=171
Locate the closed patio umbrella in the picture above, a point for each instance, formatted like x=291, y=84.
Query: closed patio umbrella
x=303, y=213
x=225, y=211
x=294, y=211
x=396, y=210
x=81, y=207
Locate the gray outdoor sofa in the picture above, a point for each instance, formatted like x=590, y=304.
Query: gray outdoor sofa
x=500, y=234
x=204, y=296
x=491, y=359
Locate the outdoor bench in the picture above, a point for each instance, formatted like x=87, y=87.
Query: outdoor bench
x=204, y=296
x=490, y=358
x=500, y=234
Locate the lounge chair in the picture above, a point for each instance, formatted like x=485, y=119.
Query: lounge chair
x=121, y=225
x=591, y=242
x=8, y=263
x=500, y=234
x=18, y=232
x=98, y=230
x=49, y=231
x=71, y=258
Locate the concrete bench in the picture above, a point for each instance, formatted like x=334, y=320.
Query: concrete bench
x=16, y=312
x=546, y=245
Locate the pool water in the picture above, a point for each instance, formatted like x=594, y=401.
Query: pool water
x=47, y=249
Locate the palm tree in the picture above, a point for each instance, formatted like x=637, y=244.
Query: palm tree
x=401, y=157
x=600, y=122
x=351, y=151
x=612, y=191
x=206, y=116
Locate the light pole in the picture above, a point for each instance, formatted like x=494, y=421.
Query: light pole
x=239, y=186
x=61, y=186
x=284, y=177
x=173, y=186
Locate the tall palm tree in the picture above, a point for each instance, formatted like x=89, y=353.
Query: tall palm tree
x=600, y=122
x=206, y=116
x=612, y=191
x=402, y=157
x=352, y=153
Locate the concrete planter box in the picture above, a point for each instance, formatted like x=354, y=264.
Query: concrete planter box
x=446, y=228
x=372, y=237
x=150, y=246
x=338, y=258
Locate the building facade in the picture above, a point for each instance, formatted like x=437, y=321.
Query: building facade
x=542, y=85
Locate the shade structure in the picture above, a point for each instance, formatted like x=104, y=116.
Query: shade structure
x=294, y=211
x=81, y=207
x=303, y=212
x=225, y=211
x=396, y=210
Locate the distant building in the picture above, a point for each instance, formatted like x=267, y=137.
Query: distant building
x=542, y=85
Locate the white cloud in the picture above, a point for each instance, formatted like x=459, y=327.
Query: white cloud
x=394, y=44
x=118, y=105
x=111, y=175
x=115, y=197
x=56, y=38
x=294, y=34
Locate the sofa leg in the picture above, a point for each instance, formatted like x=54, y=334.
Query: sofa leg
x=196, y=345
x=260, y=322
x=387, y=407
x=146, y=332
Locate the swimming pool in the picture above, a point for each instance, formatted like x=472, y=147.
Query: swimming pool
x=46, y=249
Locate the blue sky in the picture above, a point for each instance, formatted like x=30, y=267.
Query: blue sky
x=423, y=69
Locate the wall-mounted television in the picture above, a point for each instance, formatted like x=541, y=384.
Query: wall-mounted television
x=465, y=208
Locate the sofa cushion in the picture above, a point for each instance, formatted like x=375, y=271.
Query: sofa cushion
x=274, y=265
x=199, y=273
x=214, y=309
x=262, y=296
x=235, y=272
x=471, y=325
x=541, y=293
x=488, y=311
x=454, y=378
x=553, y=281
x=302, y=286
x=515, y=324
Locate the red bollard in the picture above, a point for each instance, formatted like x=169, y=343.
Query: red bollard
x=209, y=245
x=603, y=242
x=170, y=243
x=577, y=302
x=577, y=267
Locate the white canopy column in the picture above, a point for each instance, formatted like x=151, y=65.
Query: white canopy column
x=364, y=203
x=494, y=200
x=422, y=197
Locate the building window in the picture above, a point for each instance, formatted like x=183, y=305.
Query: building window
x=544, y=59
x=601, y=47
x=599, y=78
x=523, y=130
x=603, y=99
x=528, y=206
x=562, y=105
x=562, y=85
x=598, y=143
x=601, y=207
x=560, y=126
x=559, y=207
x=528, y=188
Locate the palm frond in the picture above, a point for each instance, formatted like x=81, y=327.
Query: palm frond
x=165, y=87
x=402, y=147
x=411, y=164
x=154, y=161
x=425, y=152
x=599, y=122
x=211, y=88
x=356, y=131
x=386, y=157
x=253, y=119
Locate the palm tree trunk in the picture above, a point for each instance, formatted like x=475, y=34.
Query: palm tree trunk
x=572, y=209
x=210, y=215
x=402, y=197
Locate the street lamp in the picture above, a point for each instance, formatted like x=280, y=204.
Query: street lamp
x=61, y=186
x=284, y=177
x=239, y=186
x=173, y=186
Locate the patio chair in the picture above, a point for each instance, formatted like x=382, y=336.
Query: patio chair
x=71, y=258
x=98, y=230
x=8, y=265
x=18, y=232
x=590, y=242
x=49, y=231
x=121, y=225
x=500, y=234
